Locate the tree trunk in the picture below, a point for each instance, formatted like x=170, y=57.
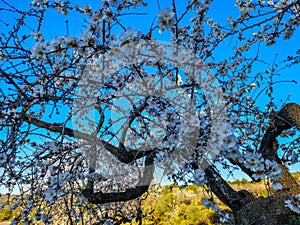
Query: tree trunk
x=264, y=211
x=247, y=209
x=272, y=210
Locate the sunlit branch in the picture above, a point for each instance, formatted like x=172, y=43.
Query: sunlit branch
x=286, y=118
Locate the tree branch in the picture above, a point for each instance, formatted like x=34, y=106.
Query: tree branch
x=126, y=156
x=242, y=167
x=130, y=193
x=286, y=118
x=223, y=190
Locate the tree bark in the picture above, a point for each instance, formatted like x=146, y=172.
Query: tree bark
x=247, y=209
x=264, y=211
x=131, y=193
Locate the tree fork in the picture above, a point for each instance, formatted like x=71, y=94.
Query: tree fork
x=248, y=210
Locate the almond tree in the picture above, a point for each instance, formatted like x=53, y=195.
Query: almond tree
x=88, y=115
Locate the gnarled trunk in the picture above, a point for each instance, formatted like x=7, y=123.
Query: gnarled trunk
x=264, y=211
x=247, y=209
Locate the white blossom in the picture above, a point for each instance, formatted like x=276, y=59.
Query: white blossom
x=294, y=204
x=273, y=170
x=113, y=3
x=52, y=194
x=254, y=162
x=199, y=177
x=130, y=36
x=38, y=50
x=166, y=19
x=108, y=222
x=277, y=186
x=210, y=203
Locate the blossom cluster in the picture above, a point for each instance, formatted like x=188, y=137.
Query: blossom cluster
x=166, y=19
x=42, y=49
x=294, y=204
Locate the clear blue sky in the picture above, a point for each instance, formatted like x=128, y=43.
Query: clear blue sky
x=55, y=26
x=220, y=11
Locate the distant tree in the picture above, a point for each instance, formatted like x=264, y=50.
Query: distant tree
x=88, y=114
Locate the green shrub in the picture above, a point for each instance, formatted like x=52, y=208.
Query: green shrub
x=194, y=188
x=264, y=193
x=6, y=214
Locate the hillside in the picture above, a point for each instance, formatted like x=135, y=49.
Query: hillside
x=173, y=205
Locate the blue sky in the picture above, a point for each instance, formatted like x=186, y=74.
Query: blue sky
x=55, y=26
